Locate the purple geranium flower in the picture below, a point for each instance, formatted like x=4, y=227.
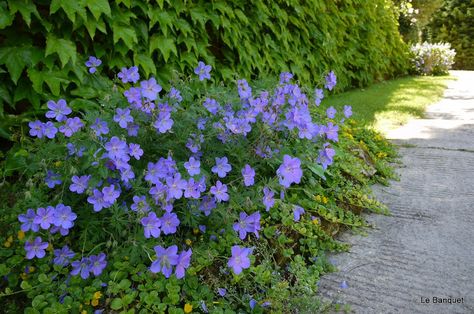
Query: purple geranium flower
x=245, y=91
x=93, y=63
x=192, y=189
x=326, y=156
x=71, y=126
x=330, y=81
x=331, y=112
x=347, y=111
x=268, y=199
x=212, y=106
x=220, y=192
x=239, y=259
x=50, y=130
x=129, y=75
x=44, y=217
x=97, y=199
x=123, y=117
x=319, y=95
x=175, y=185
x=110, y=194
x=83, y=267
x=184, y=259
x=58, y=110
x=97, y=263
x=203, y=71
x=166, y=259
x=331, y=132
x=36, y=128
x=116, y=148
x=193, y=166
x=151, y=225
x=135, y=150
x=164, y=122
x=64, y=217
x=150, y=89
x=344, y=285
x=36, y=248
x=297, y=212
x=100, y=127
x=140, y=204
x=247, y=224
x=222, y=291
x=27, y=221
x=208, y=203
x=63, y=256
x=290, y=171
x=249, y=174
x=169, y=222
x=222, y=167
x=285, y=77
x=79, y=184
x=52, y=179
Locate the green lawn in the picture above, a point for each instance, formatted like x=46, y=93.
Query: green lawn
x=389, y=104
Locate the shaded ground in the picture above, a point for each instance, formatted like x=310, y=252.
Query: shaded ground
x=425, y=249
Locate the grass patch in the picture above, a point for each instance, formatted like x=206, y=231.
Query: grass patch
x=390, y=104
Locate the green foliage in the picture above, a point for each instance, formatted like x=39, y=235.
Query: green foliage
x=454, y=23
x=44, y=44
x=287, y=260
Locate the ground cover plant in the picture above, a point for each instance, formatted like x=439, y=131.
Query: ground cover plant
x=200, y=197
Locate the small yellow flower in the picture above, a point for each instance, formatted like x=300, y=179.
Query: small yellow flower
x=318, y=198
x=188, y=242
x=31, y=269
x=97, y=295
x=23, y=276
x=21, y=235
x=95, y=302
x=315, y=221
x=84, y=312
x=7, y=244
x=10, y=239
x=188, y=308
x=325, y=199
x=195, y=230
x=58, y=163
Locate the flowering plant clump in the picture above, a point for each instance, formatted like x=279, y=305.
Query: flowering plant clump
x=191, y=197
x=432, y=59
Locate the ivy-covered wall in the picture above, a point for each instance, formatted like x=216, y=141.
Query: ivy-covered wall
x=44, y=44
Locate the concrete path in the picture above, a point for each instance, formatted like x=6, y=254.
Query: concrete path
x=425, y=249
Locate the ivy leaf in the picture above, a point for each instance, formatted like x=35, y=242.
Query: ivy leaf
x=54, y=80
x=70, y=7
x=63, y=47
x=125, y=33
x=145, y=62
x=13, y=61
x=25, y=7
x=199, y=14
x=97, y=7
x=6, y=19
x=164, y=45
x=165, y=20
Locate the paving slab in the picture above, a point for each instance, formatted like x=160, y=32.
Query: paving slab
x=423, y=253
